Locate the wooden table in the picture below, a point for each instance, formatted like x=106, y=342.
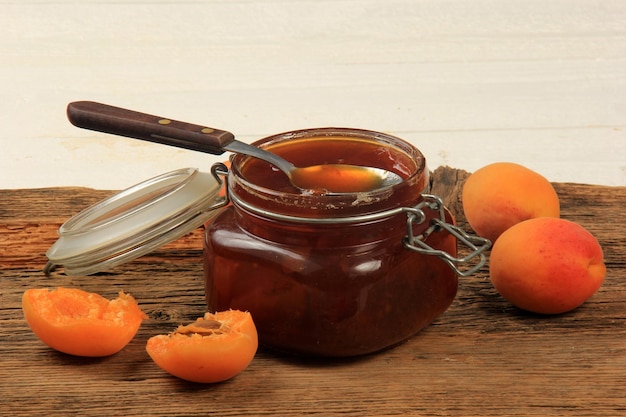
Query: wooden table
x=482, y=357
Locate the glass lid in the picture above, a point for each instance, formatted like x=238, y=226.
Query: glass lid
x=136, y=221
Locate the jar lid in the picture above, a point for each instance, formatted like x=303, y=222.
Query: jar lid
x=136, y=221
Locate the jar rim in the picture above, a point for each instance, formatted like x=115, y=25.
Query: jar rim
x=333, y=205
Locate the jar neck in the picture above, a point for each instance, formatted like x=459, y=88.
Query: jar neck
x=255, y=186
x=324, y=235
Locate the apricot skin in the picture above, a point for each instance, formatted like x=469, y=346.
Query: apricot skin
x=500, y=195
x=547, y=265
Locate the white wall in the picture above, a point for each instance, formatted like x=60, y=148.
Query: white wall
x=538, y=82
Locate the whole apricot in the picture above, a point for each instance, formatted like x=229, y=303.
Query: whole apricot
x=547, y=265
x=502, y=194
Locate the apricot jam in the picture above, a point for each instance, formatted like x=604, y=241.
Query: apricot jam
x=327, y=275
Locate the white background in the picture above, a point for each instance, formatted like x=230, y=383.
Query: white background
x=538, y=82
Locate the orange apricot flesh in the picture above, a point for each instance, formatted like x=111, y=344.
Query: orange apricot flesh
x=212, y=349
x=80, y=323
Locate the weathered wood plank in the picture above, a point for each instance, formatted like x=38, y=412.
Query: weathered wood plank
x=483, y=357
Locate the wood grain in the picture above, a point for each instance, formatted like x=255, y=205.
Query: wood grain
x=482, y=357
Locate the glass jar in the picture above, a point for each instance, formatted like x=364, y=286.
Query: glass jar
x=322, y=274
x=332, y=274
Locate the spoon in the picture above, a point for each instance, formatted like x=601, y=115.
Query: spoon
x=129, y=123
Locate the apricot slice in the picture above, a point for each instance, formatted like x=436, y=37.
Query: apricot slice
x=547, y=265
x=502, y=194
x=214, y=348
x=80, y=323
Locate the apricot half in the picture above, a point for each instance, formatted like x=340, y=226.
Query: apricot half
x=80, y=323
x=502, y=194
x=547, y=265
x=214, y=348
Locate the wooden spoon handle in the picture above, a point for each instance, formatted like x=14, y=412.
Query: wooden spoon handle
x=118, y=121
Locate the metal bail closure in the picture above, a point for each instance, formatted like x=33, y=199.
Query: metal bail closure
x=137, y=220
x=476, y=244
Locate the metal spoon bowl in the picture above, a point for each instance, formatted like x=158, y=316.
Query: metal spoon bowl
x=115, y=120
